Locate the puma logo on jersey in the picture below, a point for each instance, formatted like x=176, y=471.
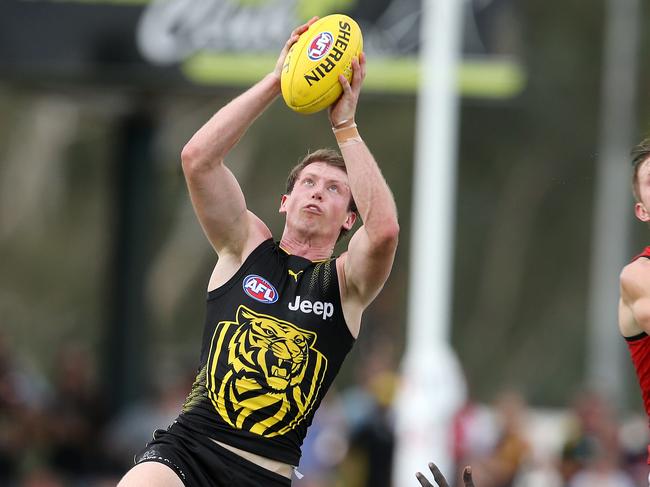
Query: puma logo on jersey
x=295, y=274
x=317, y=307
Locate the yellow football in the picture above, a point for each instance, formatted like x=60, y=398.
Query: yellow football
x=311, y=69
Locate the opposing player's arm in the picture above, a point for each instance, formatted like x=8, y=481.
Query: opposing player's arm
x=216, y=195
x=372, y=248
x=634, y=305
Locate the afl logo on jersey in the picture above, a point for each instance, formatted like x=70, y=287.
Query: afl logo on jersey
x=260, y=289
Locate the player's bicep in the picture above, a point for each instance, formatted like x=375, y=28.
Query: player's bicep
x=367, y=265
x=219, y=205
x=635, y=293
x=641, y=312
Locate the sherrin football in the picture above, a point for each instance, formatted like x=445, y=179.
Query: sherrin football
x=311, y=69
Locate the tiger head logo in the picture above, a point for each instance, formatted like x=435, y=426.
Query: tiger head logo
x=263, y=373
x=273, y=352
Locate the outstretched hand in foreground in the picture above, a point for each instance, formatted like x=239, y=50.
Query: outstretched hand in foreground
x=440, y=479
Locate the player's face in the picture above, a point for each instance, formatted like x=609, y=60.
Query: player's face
x=319, y=202
x=642, y=209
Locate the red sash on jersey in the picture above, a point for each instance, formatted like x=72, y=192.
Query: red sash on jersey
x=645, y=253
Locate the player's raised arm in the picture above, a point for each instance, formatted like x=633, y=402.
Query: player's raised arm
x=372, y=248
x=217, y=198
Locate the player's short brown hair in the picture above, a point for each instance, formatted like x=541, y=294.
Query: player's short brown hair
x=640, y=154
x=328, y=156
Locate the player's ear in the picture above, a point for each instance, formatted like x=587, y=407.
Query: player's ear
x=283, y=203
x=641, y=212
x=349, y=221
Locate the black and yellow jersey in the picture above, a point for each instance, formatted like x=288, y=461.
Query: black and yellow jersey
x=274, y=339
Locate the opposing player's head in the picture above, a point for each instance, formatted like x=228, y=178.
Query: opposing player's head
x=641, y=180
x=318, y=196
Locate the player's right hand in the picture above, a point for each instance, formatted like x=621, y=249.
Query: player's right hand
x=440, y=479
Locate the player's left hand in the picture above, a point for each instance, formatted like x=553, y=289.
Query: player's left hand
x=293, y=38
x=440, y=479
x=345, y=107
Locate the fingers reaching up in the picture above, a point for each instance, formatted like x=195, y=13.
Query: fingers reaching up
x=440, y=479
x=467, y=477
x=437, y=476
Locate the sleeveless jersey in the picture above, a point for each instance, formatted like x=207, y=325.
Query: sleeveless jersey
x=639, y=347
x=273, y=341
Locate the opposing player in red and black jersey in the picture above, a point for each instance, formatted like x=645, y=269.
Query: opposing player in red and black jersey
x=281, y=317
x=634, y=305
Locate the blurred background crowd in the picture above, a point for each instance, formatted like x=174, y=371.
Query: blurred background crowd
x=103, y=266
x=56, y=431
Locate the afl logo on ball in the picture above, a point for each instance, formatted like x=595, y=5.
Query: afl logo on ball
x=320, y=46
x=260, y=289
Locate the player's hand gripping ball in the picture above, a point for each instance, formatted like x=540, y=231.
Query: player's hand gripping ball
x=311, y=69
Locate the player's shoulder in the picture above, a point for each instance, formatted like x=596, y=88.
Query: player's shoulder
x=635, y=276
x=638, y=268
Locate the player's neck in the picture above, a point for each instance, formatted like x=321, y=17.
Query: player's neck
x=307, y=247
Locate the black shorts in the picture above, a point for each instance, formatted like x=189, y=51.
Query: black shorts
x=200, y=462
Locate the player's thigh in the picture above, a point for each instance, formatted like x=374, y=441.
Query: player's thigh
x=150, y=474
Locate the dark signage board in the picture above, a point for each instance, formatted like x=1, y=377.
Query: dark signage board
x=210, y=42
